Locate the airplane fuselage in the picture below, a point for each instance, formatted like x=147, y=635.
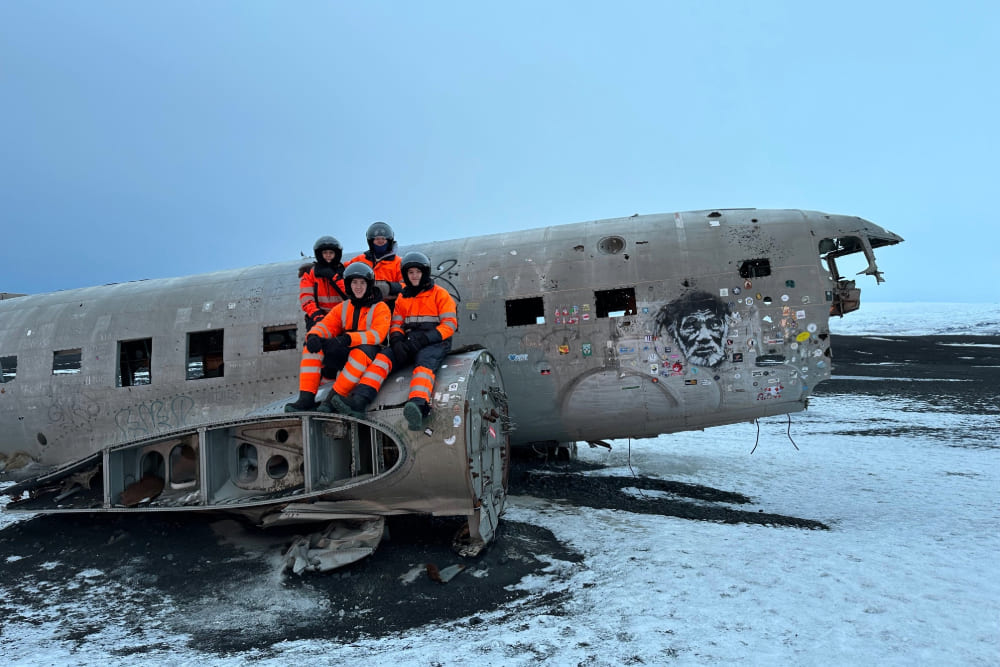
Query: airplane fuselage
x=625, y=327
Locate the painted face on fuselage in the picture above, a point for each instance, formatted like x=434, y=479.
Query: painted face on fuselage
x=359, y=286
x=413, y=275
x=700, y=336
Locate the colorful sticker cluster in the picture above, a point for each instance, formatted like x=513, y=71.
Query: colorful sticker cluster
x=572, y=314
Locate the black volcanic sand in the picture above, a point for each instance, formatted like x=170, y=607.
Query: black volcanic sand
x=218, y=580
x=961, y=373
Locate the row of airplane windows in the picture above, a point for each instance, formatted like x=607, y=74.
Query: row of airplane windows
x=204, y=356
x=205, y=348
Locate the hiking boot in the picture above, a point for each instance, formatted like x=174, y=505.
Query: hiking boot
x=416, y=413
x=345, y=406
x=306, y=402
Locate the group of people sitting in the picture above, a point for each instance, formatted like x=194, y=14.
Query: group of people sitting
x=366, y=317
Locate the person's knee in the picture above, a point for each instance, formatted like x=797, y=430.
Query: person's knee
x=432, y=356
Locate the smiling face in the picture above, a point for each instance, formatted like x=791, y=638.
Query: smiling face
x=358, y=287
x=413, y=275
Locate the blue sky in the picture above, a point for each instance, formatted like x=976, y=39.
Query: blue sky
x=144, y=139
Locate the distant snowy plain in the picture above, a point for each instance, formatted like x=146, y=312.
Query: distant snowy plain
x=920, y=319
x=908, y=573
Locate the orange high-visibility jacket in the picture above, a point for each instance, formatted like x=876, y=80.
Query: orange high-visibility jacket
x=387, y=268
x=367, y=325
x=431, y=306
x=316, y=293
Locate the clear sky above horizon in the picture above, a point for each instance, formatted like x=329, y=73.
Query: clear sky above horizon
x=147, y=140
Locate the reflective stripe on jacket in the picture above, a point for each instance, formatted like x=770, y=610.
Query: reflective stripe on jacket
x=431, y=309
x=387, y=268
x=367, y=325
x=316, y=293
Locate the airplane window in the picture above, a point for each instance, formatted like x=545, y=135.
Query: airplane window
x=842, y=245
x=9, y=367
x=280, y=338
x=204, y=358
x=615, y=302
x=844, y=256
x=521, y=312
x=134, y=359
x=755, y=268
x=67, y=362
x=611, y=245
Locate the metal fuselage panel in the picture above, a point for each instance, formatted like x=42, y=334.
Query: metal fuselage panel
x=75, y=414
x=456, y=465
x=584, y=375
x=600, y=354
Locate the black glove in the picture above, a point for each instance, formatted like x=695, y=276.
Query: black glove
x=334, y=359
x=340, y=345
x=402, y=349
x=418, y=339
x=314, y=343
x=317, y=316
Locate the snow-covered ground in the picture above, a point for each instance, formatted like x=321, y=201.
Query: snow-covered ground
x=908, y=573
x=919, y=319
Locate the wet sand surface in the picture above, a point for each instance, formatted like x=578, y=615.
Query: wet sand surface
x=958, y=371
x=219, y=581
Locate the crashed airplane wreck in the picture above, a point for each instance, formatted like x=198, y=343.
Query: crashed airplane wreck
x=167, y=394
x=302, y=468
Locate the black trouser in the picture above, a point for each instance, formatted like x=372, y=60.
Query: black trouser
x=430, y=356
x=335, y=356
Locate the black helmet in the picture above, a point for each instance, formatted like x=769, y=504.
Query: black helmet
x=420, y=261
x=328, y=243
x=417, y=259
x=379, y=229
x=359, y=270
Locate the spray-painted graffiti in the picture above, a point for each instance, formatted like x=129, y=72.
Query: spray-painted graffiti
x=73, y=410
x=444, y=268
x=160, y=415
x=698, y=322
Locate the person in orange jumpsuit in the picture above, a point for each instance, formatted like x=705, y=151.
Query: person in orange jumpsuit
x=321, y=287
x=423, y=323
x=381, y=256
x=343, y=344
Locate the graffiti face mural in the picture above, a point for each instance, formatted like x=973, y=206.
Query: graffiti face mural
x=697, y=322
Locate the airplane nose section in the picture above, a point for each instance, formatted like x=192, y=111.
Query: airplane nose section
x=838, y=226
x=880, y=237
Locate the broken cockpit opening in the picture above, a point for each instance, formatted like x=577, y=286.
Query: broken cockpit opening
x=845, y=296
